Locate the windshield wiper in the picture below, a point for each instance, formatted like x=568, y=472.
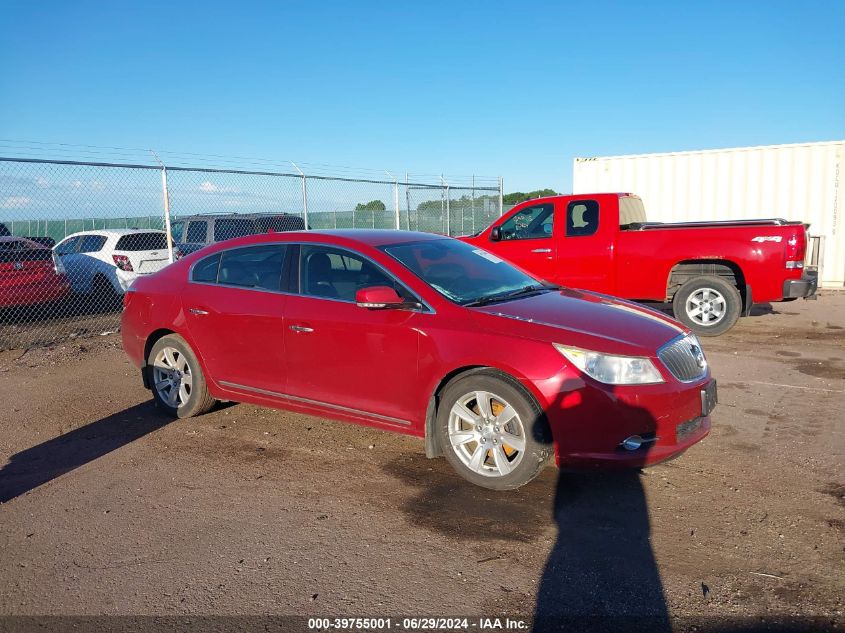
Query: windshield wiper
x=506, y=296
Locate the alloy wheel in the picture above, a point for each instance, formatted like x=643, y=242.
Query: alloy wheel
x=486, y=433
x=172, y=377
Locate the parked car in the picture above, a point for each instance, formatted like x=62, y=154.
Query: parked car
x=193, y=232
x=49, y=242
x=712, y=272
x=28, y=274
x=106, y=262
x=423, y=335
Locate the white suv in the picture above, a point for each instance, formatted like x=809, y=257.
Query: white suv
x=108, y=261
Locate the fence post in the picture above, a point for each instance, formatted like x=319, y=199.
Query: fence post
x=408, y=201
x=472, y=204
x=501, y=196
x=395, y=200
x=304, y=194
x=165, y=196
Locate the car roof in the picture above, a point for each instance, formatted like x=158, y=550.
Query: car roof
x=234, y=216
x=117, y=232
x=16, y=238
x=339, y=237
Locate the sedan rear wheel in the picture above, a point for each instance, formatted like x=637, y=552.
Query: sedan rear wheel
x=492, y=433
x=176, y=378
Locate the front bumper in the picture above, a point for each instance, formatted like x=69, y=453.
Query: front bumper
x=590, y=423
x=804, y=287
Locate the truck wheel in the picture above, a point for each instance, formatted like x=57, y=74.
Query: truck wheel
x=709, y=306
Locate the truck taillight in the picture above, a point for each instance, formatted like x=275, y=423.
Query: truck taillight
x=796, y=249
x=122, y=262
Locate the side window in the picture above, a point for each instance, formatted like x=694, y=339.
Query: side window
x=91, y=243
x=339, y=274
x=205, y=270
x=529, y=223
x=68, y=246
x=177, y=229
x=197, y=232
x=252, y=267
x=582, y=218
x=229, y=228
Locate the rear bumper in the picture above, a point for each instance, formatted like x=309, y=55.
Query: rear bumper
x=804, y=287
x=42, y=291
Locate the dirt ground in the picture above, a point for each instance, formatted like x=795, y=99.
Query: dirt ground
x=111, y=508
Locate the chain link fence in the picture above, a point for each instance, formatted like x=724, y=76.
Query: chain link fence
x=74, y=235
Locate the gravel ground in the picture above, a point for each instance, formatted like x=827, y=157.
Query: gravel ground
x=110, y=508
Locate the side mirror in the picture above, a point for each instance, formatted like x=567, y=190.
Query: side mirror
x=496, y=234
x=378, y=298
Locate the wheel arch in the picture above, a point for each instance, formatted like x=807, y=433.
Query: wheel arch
x=432, y=447
x=687, y=269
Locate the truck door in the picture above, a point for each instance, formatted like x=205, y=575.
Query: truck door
x=527, y=238
x=585, y=251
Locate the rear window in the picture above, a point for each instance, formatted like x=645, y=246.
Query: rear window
x=228, y=228
x=18, y=251
x=142, y=242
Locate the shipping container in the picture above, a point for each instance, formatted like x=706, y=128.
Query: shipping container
x=796, y=182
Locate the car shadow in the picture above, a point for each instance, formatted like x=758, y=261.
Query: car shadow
x=44, y=462
x=601, y=574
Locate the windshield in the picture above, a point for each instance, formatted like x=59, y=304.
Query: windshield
x=463, y=273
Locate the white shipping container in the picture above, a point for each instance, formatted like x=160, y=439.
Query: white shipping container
x=797, y=182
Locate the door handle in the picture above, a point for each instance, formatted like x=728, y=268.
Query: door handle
x=197, y=311
x=542, y=250
x=301, y=328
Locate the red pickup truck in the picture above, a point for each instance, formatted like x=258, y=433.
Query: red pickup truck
x=712, y=272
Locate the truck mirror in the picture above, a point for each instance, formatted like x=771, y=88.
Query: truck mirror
x=496, y=234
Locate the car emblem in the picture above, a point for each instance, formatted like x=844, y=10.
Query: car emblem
x=698, y=355
x=18, y=266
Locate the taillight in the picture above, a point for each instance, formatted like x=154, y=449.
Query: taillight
x=796, y=249
x=122, y=262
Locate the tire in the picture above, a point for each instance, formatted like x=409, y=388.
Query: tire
x=171, y=359
x=503, y=466
x=103, y=294
x=709, y=306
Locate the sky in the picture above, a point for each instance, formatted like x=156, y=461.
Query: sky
x=511, y=89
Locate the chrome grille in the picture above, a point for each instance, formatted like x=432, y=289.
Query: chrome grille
x=684, y=357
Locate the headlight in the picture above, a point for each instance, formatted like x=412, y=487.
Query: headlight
x=612, y=370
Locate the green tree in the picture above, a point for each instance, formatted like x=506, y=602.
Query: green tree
x=516, y=197
x=372, y=205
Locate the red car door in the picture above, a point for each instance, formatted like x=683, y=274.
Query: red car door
x=585, y=253
x=340, y=355
x=528, y=239
x=235, y=314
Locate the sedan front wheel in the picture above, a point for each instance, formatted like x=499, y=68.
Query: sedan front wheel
x=492, y=433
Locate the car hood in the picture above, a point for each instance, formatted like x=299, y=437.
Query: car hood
x=584, y=319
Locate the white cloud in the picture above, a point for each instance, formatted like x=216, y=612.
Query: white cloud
x=15, y=202
x=42, y=183
x=211, y=187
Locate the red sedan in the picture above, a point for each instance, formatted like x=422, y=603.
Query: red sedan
x=28, y=274
x=424, y=335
